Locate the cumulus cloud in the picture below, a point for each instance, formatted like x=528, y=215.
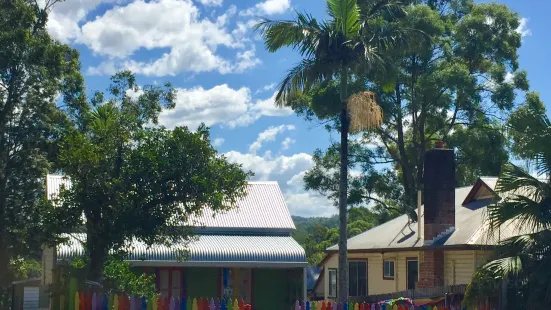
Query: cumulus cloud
x=523, y=29
x=219, y=105
x=289, y=172
x=268, y=7
x=191, y=41
x=260, y=108
x=287, y=143
x=63, y=21
x=267, y=135
x=218, y=141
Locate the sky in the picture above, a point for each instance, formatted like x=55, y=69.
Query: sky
x=225, y=78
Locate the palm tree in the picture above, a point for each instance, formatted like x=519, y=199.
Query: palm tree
x=524, y=210
x=340, y=49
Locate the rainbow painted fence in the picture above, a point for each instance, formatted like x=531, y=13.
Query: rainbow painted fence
x=89, y=301
x=322, y=305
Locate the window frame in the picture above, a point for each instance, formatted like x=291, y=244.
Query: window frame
x=331, y=294
x=388, y=277
x=362, y=261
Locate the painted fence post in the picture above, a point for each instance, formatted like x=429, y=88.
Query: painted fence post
x=94, y=302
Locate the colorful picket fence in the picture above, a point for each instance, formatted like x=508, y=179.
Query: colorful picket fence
x=93, y=301
x=322, y=305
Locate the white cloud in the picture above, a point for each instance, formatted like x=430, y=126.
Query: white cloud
x=509, y=77
x=268, y=135
x=218, y=141
x=64, y=19
x=287, y=143
x=261, y=108
x=268, y=7
x=220, y=105
x=210, y=2
x=191, y=41
x=289, y=172
x=266, y=88
x=523, y=29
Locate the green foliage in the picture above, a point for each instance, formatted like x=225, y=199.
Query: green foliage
x=34, y=71
x=120, y=279
x=317, y=234
x=458, y=87
x=524, y=261
x=133, y=180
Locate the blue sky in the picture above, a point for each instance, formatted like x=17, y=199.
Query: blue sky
x=225, y=78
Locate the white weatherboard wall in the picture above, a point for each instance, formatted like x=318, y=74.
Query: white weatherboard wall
x=30, y=298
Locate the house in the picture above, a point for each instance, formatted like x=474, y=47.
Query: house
x=246, y=253
x=445, y=247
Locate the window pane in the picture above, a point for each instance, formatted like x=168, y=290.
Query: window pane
x=391, y=268
x=332, y=283
x=176, y=283
x=362, y=279
x=353, y=279
x=163, y=283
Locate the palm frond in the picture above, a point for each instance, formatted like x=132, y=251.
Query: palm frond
x=505, y=267
x=526, y=214
x=299, y=34
x=301, y=77
x=346, y=15
x=389, y=8
x=515, y=179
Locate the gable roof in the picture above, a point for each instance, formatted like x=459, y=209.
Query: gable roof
x=471, y=227
x=263, y=208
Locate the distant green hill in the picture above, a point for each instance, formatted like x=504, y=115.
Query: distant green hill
x=316, y=234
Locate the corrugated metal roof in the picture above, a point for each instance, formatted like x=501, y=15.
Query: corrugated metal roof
x=471, y=227
x=54, y=182
x=207, y=249
x=263, y=207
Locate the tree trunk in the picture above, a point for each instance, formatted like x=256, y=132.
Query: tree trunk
x=4, y=255
x=97, y=252
x=343, y=192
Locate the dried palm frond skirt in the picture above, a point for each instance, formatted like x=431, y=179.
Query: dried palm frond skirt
x=364, y=112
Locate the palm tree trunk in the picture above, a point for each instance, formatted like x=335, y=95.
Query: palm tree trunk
x=343, y=192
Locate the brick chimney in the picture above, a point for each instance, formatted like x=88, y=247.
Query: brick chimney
x=439, y=212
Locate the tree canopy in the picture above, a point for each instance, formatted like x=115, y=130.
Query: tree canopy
x=345, y=47
x=39, y=78
x=460, y=86
x=134, y=180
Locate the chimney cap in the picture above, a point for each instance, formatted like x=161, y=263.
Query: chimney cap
x=439, y=144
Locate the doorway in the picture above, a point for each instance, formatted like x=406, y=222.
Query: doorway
x=412, y=271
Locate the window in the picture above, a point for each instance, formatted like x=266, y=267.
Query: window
x=357, y=278
x=332, y=283
x=388, y=269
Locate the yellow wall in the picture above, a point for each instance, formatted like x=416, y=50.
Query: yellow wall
x=459, y=267
x=376, y=284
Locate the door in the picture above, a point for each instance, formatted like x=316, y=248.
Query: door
x=30, y=298
x=412, y=273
